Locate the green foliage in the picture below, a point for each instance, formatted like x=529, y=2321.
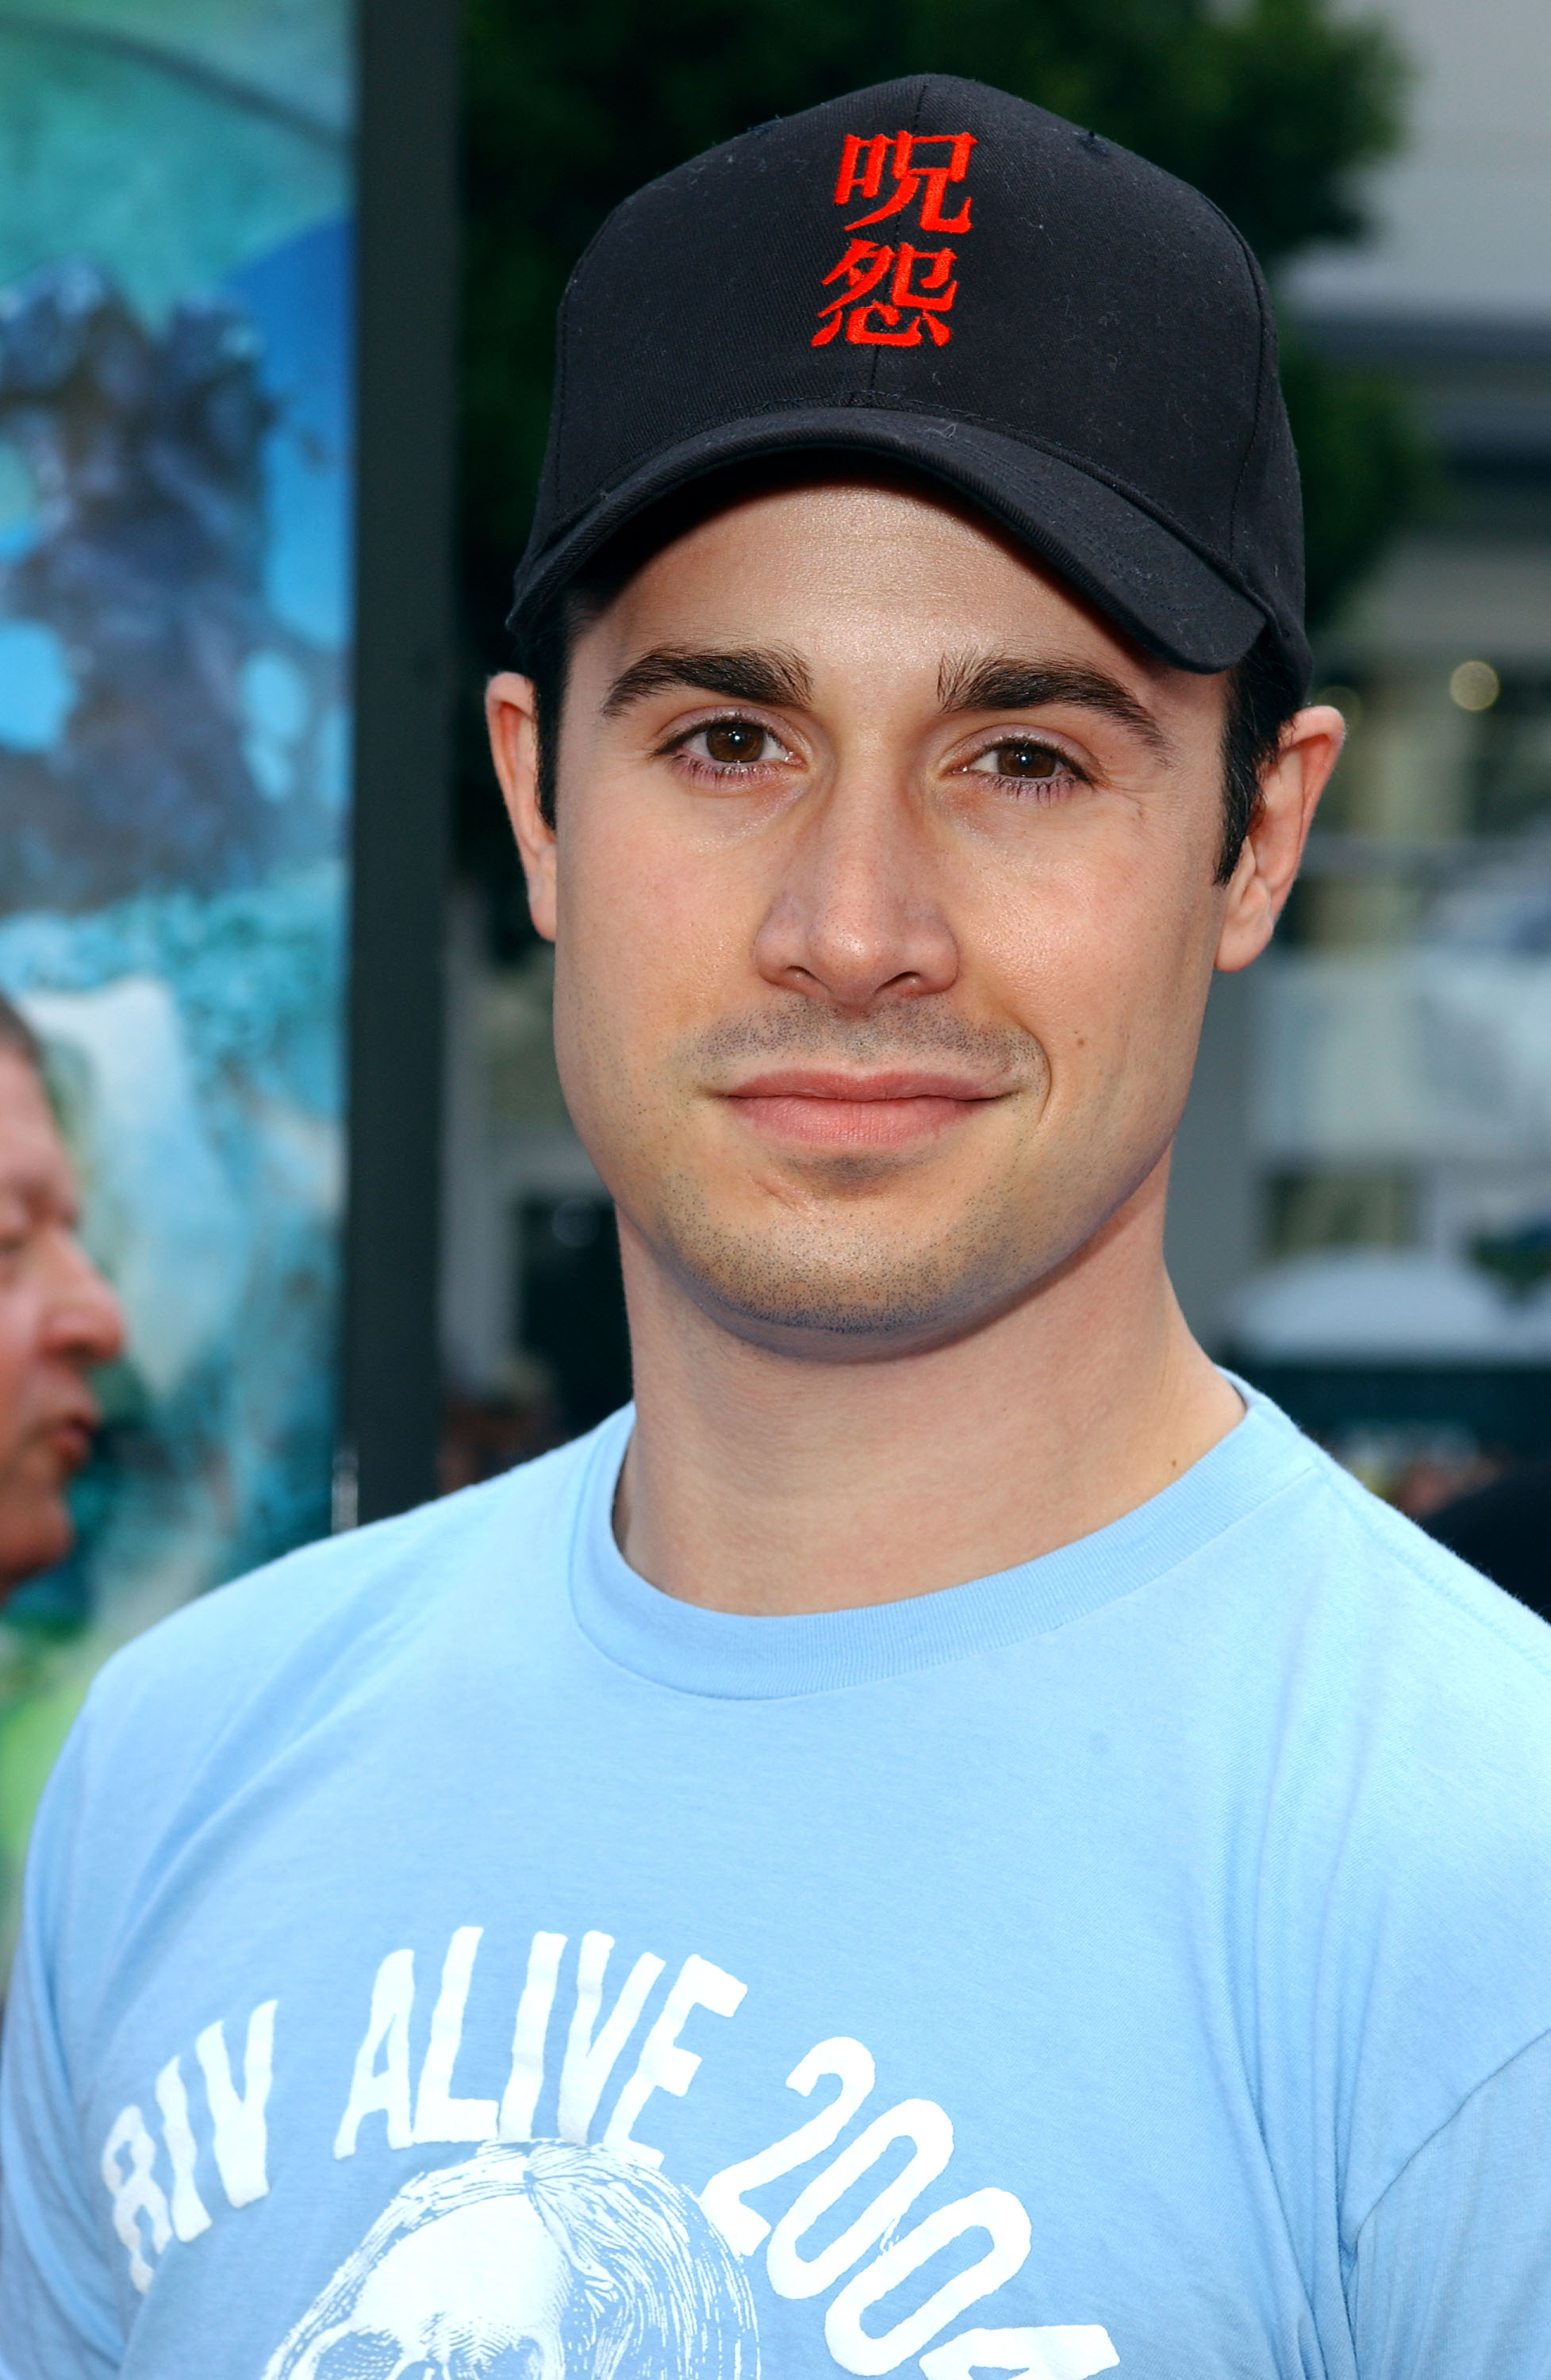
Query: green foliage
x=1270, y=106
x=1365, y=468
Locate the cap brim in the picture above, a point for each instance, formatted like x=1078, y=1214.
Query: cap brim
x=1143, y=576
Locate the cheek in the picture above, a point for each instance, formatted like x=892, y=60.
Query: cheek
x=652, y=939
x=18, y=1351
x=1107, y=966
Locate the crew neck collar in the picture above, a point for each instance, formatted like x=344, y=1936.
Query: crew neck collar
x=723, y=1653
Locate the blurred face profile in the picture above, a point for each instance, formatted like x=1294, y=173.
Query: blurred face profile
x=58, y=1318
x=883, y=894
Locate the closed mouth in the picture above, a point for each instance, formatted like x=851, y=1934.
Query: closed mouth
x=823, y=1107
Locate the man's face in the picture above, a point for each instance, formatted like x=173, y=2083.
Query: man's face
x=58, y=1318
x=884, y=903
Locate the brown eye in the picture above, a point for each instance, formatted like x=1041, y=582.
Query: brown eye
x=1027, y=760
x=729, y=741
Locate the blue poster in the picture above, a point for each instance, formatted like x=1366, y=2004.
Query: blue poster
x=175, y=377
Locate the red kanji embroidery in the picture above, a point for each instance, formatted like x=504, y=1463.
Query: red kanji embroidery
x=860, y=173
x=943, y=291
x=864, y=266
x=854, y=175
x=921, y=288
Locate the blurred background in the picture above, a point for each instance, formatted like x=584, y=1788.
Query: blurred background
x=1361, y=1212
x=176, y=388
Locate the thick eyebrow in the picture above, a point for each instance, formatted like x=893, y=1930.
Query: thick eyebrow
x=767, y=676
x=974, y=682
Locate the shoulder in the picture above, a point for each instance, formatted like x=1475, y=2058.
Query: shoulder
x=1432, y=1609
x=1337, y=1556
x=1413, y=1678
x=283, y=1642
x=212, y=1727
x=1389, y=1711
x=1435, y=1686
x=1358, y=1647
x=1383, y=1725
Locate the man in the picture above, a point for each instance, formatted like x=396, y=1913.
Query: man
x=1060, y=1875
x=58, y=1318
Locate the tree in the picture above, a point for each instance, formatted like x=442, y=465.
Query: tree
x=1272, y=107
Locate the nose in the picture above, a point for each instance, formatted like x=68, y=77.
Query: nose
x=857, y=918
x=85, y=1319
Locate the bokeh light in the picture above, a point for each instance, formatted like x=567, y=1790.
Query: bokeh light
x=1475, y=686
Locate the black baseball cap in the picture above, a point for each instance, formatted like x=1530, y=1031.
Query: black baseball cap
x=935, y=273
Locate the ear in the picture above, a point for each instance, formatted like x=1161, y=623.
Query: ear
x=1268, y=863
x=512, y=716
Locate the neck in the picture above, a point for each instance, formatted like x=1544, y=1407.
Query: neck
x=767, y=1485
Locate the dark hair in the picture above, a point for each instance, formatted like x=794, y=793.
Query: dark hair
x=546, y=660
x=1263, y=693
x=17, y=1036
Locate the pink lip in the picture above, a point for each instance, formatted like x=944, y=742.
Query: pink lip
x=855, y=1111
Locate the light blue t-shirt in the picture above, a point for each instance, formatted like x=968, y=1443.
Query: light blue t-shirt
x=448, y=1958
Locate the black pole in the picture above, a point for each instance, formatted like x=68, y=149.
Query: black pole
x=406, y=298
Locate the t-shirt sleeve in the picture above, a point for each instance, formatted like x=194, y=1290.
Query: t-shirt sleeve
x=58, y=2314
x=1452, y=2271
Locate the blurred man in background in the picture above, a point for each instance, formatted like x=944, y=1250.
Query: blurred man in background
x=58, y=1318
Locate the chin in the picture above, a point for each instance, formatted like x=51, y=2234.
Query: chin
x=827, y=1286
x=32, y=1542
